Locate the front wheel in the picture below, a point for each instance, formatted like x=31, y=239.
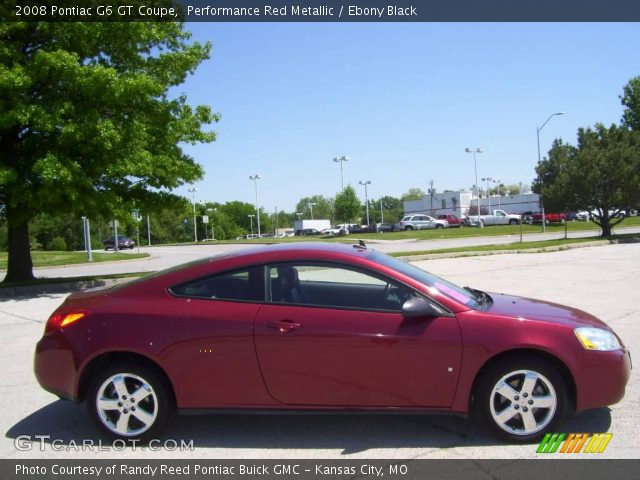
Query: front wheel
x=407, y=228
x=129, y=402
x=513, y=222
x=522, y=399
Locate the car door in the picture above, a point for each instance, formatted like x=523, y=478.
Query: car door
x=344, y=342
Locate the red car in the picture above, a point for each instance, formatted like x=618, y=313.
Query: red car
x=549, y=218
x=329, y=328
x=453, y=220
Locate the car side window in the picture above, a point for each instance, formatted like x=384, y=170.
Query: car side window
x=241, y=285
x=334, y=286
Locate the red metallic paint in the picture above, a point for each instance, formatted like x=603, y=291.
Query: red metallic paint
x=221, y=354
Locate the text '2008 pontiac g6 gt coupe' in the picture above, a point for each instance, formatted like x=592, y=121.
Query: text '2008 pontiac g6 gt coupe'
x=325, y=328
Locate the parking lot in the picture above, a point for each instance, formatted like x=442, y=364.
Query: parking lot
x=601, y=280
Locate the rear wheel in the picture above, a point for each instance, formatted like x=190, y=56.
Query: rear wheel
x=129, y=402
x=521, y=399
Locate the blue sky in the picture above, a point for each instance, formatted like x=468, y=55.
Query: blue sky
x=402, y=100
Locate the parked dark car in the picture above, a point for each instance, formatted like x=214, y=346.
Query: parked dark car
x=123, y=242
x=333, y=328
x=308, y=231
x=383, y=227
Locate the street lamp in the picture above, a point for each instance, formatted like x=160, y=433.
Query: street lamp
x=366, y=196
x=255, y=179
x=487, y=180
x=299, y=214
x=381, y=212
x=251, y=220
x=538, y=130
x=341, y=160
x=311, y=205
x=193, y=191
x=475, y=150
x=213, y=232
x=497, y=182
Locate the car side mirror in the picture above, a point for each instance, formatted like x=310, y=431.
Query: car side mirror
x=419, y=307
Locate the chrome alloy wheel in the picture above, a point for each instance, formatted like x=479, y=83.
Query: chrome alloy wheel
x=127, y=404
x=523, y=402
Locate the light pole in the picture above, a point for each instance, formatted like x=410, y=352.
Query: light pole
x=255, y=179
x=299, y=215
x=487, y=180
x=381, y=212
x=213, y=232
x=148, y=231
x=538, y=130
x=341, y=160
x=193, y=191
x=366, y=196
x=275, y=230
x=251, y=220
x=311, y=205
x=497, y=182
x=475, y=150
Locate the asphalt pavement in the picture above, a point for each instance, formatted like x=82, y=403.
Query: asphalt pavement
x=601, y=280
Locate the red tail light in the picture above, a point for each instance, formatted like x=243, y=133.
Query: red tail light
x=62, y=319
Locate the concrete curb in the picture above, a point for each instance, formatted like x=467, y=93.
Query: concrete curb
x=481, y=253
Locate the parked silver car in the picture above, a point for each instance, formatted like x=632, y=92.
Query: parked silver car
x=421, y=222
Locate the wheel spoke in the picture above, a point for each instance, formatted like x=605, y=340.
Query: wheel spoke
x=108, y=404
x=543, y=401
x=123, y=423
x=530, y=424
x=141, y=393
x=530, y=380
x=120, y=386
x=145, y=417
x=505, y=415
x=507, y=391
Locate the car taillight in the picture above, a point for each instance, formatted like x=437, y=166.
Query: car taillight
x=63, y=319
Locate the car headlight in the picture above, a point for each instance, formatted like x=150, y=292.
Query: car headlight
x=597, y=339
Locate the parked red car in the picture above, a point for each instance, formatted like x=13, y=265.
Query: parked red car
x=329, y=328
x=549, y=217
x=453, y=220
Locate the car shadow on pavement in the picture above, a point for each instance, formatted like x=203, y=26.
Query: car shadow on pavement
x=67, y=423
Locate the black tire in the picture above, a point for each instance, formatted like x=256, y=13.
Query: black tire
x=512, y=373
x=407, y=228
x=513, y=222
x=158, y=403
x=439, y=226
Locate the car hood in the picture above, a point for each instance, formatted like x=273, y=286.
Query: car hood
x=529, y=308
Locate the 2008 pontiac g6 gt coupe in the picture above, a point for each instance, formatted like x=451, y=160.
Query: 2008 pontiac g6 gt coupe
x=324, y=327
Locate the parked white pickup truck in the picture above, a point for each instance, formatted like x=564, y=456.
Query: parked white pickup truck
x=499, y=217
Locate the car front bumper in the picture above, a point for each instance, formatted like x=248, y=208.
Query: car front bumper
x=601, y=378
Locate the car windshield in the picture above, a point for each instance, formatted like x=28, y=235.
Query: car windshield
x=446, y=288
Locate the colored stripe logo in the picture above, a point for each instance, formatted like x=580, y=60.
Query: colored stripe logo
x=574, y=443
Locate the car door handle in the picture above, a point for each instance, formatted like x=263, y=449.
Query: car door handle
x=283, y=325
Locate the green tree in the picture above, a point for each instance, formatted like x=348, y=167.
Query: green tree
x=323, y=207
x=413, y=194
x=630, y=99
x=601, y=175
x=87, y=123
x=347, y=205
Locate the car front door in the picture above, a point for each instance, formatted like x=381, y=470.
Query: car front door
x=342, y=341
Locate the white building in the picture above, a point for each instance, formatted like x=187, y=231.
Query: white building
x=459, y=203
